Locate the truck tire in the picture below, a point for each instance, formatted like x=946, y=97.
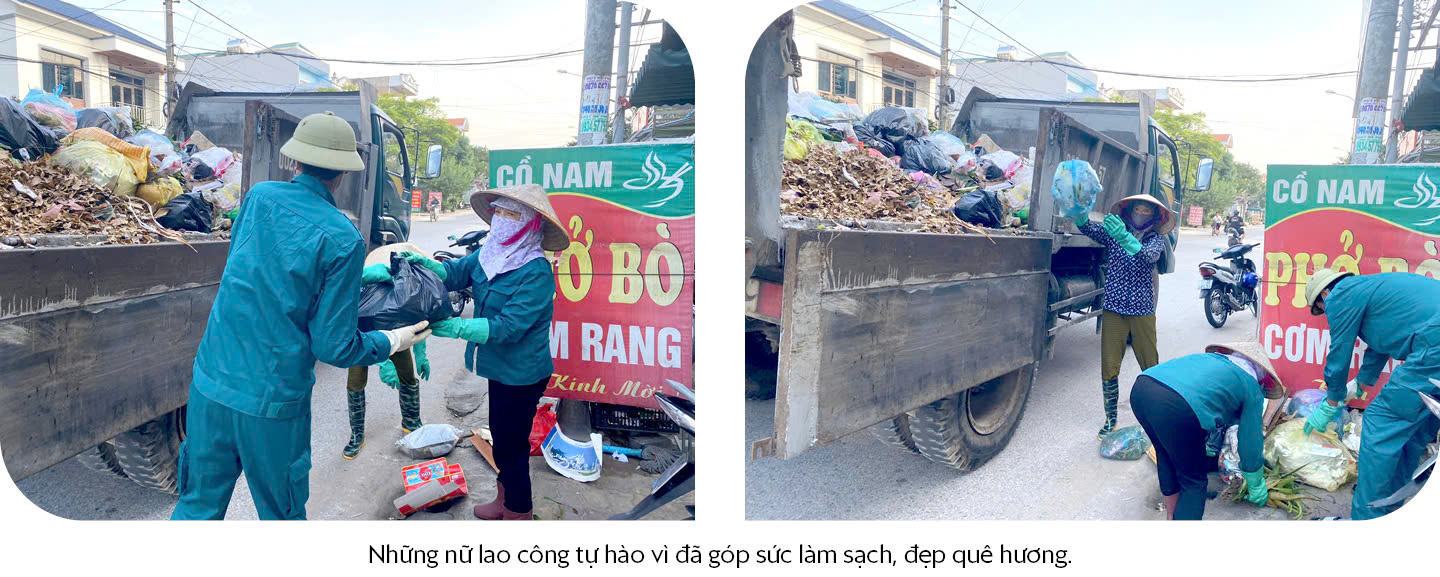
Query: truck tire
x=101, y=458
x=895, y=432
x=761, y=366
x=966, y=429
x=149, y=454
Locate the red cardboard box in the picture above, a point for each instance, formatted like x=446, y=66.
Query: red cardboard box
x=419, y=474
x=433, y=492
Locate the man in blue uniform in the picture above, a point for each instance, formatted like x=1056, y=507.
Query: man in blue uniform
x=1398, y=317
x=289, y=297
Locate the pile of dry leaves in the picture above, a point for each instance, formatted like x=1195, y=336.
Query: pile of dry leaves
x=854, y=185
x=37, y=198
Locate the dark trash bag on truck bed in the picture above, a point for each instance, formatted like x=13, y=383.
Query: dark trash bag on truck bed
x=897, y=123
x=867, y=136
x=92, y=118
x=414, y=294
x=189, y=211
x=980, y=207
x=19, y=131
x=924, y=156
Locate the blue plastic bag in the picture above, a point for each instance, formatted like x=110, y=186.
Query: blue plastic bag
x=42, y=97
x=1075, y=188
x=1127, y=444
x=1302, y=403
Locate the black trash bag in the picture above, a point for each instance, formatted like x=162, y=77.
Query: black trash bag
x=414, y=294
x=897, y=123
x=926, y=157
x=980, y=207
x=92, y=118
x=199, y=170
x=867, y=136
x=189, y=211
x=18, y=131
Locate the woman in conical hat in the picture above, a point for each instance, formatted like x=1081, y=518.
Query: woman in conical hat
x=509, y=334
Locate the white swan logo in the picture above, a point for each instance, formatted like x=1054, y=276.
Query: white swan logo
x=1427, y=195
x=656, y=173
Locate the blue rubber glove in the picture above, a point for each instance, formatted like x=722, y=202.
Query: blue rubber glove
x=425, y=261
x=1321, y=417
x=1116, y=229
x=1255, y=490
x=422, y=362
x=473, y=330
x=375, y=273
x=1081, y=219
x=388, y=375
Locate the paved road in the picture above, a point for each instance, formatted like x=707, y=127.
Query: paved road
x=365, y=488
x=1050, y=470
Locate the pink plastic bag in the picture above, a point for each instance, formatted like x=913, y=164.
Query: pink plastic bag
x=52, y=116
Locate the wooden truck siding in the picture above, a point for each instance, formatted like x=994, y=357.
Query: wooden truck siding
x=878, y=323
x=95, y=341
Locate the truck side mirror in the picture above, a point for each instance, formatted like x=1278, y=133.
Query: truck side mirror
x=1203, y=173
x=433, y=158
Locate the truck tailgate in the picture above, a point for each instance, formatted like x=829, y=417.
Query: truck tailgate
x=95, y=341
x=878, y=323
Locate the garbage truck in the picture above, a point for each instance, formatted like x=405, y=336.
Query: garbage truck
x=930, y=340
x=97, y=341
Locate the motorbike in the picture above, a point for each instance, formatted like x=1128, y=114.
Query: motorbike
x=1236, y=232
x=679, y=479
x=1426, y=468
x=1229, y=288
x=471, y=242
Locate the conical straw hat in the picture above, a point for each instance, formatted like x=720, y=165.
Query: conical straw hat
x=533, y=196
x=1166, y=225
x=382, y=255
x=1274, y=389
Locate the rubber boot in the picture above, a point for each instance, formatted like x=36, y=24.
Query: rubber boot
x=357, y=424
x=495, y=510
x=1111, y=391
x=409, y=407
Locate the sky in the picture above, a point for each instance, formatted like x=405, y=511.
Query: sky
x=518, y=105
x=1290, y=122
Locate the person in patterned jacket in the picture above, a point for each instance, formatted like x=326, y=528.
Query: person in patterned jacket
x=1133, y=235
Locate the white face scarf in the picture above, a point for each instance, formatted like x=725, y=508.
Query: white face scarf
x=1244, y=363
x=498, y=258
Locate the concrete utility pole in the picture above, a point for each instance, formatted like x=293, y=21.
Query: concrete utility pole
x=942, y=110
x=169, y=57
x=1374, y=76
x=595, y=75
x=1397, y=87
x=622, y=72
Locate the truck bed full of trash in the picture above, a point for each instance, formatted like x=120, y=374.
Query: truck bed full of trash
x=886, y=167
x=89, y=176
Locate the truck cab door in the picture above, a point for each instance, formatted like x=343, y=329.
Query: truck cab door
x=392, y=190
x=1166, y=187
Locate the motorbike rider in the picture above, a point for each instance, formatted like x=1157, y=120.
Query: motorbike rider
x=1398, y=317
x=434, y=209
x=1236, y=223
x=1215, y=223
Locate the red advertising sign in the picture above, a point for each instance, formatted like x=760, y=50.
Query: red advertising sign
x=415, y=204
x=1196, y=217
x=1359, y=219
x=625, y=290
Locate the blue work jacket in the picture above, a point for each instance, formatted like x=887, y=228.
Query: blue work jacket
x=520, y=305
x=1397, y=315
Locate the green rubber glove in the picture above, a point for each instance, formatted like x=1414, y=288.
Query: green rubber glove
x=473, y=330
x=1255, y=490
x=388, y=374
x=425, y=261
x=422, y=362
x=1321, y=417
x=375, y=273
x=1116, y=229
x=1081, y=219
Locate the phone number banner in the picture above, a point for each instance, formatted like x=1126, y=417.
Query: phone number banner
x=624, y=289
x=1359, y=219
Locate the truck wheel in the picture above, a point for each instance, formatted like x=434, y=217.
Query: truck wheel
x=965, y=430
x=1215, y=312
x=761, y=366
x=895, y=432
x=149, y=454
x=101, y=458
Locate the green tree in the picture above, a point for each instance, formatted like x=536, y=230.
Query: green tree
x=462, y=160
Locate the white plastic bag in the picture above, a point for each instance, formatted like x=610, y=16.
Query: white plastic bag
x=162, y=152
x=1018, y=196
x=218, y=159
x=431, y=441
x=1317, y=461
x=573, y=459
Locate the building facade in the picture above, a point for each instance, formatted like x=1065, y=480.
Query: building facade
x=243, y=68
x=1165, y=98
x=1049, y=76
x=92, y=61
x=400, y=84
x=852, y=56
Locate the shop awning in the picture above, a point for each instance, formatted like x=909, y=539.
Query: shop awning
x=1422, y=109
x=666, y=77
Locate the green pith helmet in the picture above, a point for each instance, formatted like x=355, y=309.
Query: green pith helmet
x=324, y=141
x=1321, y=280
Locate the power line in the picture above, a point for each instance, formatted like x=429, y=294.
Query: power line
x=862, y=15
x=997, y=28
x=71, y=19
x=242, y=33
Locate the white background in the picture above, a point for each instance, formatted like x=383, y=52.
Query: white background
x=720, y=36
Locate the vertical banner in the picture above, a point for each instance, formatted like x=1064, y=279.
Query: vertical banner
x=415, y=204
x=1370, y=131
x=595, y=111
x=625, y=290
x=1358, y=219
